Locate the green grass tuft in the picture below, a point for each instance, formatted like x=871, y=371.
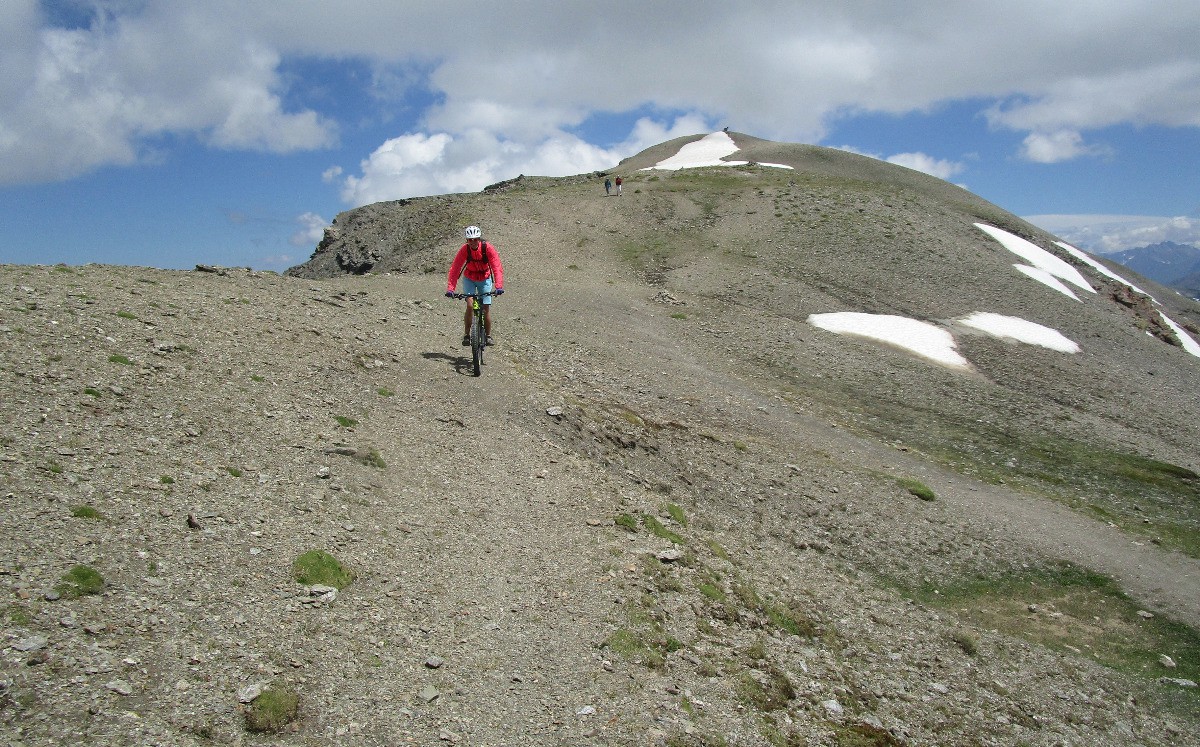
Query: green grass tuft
x=917, y=488
x=80, y=581
x=319, y=567
x=86, y=512
x=272, y=711
x=658, y=530
x=627, y=522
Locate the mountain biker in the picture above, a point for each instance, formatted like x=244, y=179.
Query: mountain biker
x=478, y=263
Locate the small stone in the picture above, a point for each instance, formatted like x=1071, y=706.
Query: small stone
x=669, y=556
x=248, y=693
x=434, y=662
x=586, y=711
x=938, y=687
x=554, y=412
x=1177, y=681
x=33, y=643
x=1167, y=661
x=52, y=596
x=1145, y=615
x=832, y=706
x=428, y=694
x=120, y=687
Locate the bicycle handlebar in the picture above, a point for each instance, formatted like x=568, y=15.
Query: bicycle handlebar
x=472, y=295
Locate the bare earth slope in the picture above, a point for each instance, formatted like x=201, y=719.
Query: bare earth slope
x=667, y=513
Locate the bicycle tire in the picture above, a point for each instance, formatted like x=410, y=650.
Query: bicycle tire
x=477, y=342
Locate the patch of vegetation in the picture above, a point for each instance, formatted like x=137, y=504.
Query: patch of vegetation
x=80, y=580
x=167, y=480
x=372, y=459
x=676, y=513
x=120, y=359
x=18, y=615
x=712, y=591
x=384, y=392
x=626, y=522
x=864, y=735
x=966, y=641
x=696, y=740
x=718, y=550
x=658, y=530
x=1069, y=608
x=272, y=711
x=917, y=488
x=771, y=695
x=233, y=471
x=1141, y=495
x=319, y=567
x=791, y=620
x=54, y=467
x=91, y=392
x=86, y=512
x=126, y=315
x=344, y=421
x=257, y=379
x=679, y=315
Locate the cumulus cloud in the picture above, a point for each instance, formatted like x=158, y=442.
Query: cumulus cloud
x=939, y=167
x=312, y=230
x=1063, y=145
x=418, y=164
x=73, y=99
x=79, y=98
x=1105, y=234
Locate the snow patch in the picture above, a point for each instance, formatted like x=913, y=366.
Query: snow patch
x=707, y=151
x=1021, y=330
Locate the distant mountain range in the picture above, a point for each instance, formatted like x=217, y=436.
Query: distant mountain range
x=1175, y=265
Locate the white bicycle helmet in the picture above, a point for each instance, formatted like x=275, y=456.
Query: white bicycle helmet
x=473, y=232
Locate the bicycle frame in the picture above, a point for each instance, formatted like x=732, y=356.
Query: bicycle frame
x=478, y=330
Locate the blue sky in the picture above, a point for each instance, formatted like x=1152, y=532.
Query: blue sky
x=230, y=132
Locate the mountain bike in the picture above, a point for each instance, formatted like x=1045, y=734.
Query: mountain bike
x=478, y=333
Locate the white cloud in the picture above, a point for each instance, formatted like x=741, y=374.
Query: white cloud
x=939, y=167
x=312, y=230
x=1062, y=145
x=75, y=99
x=417, y=164
x=1105, y=234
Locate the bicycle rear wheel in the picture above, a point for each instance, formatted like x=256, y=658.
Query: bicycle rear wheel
x=477, y=342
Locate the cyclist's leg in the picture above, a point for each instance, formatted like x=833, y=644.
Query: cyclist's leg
x=488, y=287
x=469, y=288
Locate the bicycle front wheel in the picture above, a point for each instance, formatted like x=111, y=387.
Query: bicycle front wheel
x=477, y=342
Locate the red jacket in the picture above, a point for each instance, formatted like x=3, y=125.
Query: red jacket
x=477, y=266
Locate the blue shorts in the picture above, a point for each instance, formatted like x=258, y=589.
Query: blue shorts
x=470, y=286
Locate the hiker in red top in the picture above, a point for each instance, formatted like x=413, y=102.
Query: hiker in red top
x=478, y=263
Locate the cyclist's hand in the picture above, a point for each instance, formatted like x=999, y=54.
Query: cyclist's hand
x=499, y=291
x=449, y=294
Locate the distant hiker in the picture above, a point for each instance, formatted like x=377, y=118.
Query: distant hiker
x=607, y=186
x=618, y=186
x=478, y=263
